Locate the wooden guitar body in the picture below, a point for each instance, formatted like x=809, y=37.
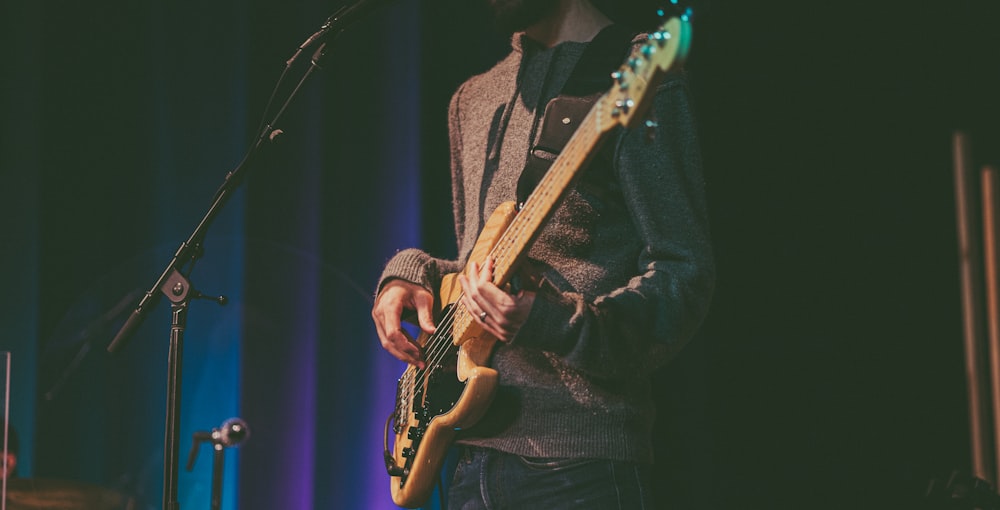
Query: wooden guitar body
x=454, y=396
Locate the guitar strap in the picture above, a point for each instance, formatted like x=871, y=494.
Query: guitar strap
x=591, y=77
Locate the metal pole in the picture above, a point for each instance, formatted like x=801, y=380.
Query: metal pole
x=990, y=262
x=980, y=422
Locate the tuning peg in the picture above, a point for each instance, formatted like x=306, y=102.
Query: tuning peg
x=660, y=37
x=683, y=12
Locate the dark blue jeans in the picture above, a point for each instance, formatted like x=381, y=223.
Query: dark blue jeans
x=490, y=480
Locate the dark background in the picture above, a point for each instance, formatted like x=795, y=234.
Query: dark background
x=829, y=373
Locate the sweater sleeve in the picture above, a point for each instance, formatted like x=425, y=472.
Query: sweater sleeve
x=646, y=321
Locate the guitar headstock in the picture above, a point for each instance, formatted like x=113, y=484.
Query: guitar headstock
x=636, y=80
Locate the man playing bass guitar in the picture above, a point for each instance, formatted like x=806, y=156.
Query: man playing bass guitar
x=612, y=285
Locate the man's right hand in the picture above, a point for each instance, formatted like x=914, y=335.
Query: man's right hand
x=395, y=297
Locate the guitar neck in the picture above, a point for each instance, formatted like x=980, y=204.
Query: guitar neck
x=538, y=208
x=626, y=102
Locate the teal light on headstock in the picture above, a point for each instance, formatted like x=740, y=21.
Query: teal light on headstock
x=636, y=80
x=677, y=8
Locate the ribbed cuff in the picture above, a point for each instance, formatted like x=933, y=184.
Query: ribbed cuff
x=410, y=265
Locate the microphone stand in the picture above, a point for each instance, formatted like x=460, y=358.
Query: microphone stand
x=218, y=459
x=176, y=285
x=232, y=433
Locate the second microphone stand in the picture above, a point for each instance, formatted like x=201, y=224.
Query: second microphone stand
x=232, y=433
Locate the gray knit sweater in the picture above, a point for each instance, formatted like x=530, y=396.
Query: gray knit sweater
x=626, y=260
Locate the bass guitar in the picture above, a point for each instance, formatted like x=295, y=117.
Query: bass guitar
x=456, y=386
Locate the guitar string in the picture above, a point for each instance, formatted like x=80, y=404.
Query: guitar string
x=440, y=345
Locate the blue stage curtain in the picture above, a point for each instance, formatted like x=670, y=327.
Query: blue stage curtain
x=19, y=202
x=126, y=125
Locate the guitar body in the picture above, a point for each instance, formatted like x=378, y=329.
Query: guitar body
x=429, y=442
x=454, y=397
